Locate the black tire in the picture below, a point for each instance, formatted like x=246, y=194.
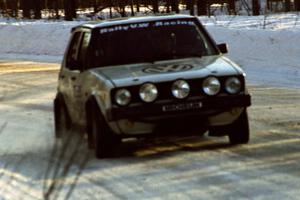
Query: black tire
x=61, y=118
x=104, y=142
x=239, y=130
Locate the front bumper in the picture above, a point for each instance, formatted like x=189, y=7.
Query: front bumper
x=200, y=106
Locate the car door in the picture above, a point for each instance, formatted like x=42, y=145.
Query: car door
x=70, y=74
x=78, y=77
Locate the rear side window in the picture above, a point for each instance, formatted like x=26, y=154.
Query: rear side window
x=72, y=55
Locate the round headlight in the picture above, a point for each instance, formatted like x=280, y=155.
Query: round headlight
x=122, y=97
x=211, y=86
x=233, y=85
x=180, y=89
x=148, y=92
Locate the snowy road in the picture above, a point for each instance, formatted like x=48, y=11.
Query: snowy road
x=33, y=165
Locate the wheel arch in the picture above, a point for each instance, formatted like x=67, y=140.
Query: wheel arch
x=57, y=103
x=92, y=101
x=60, y=99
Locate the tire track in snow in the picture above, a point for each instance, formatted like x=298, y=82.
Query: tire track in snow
x=72, y=152
x=10, y=178
x=3, y=127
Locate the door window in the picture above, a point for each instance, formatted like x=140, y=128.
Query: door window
x=72, y=55
x=82, y=57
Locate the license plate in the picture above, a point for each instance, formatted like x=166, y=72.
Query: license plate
x=182, y=106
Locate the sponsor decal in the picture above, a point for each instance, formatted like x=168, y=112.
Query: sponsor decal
x=146, y=25
x=174, y=23
x=182, y=106
x=167, y=68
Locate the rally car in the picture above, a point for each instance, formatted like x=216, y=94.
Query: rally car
x=152, y=75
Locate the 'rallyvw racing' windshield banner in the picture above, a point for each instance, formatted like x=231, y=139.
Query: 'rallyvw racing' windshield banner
x=146, y=25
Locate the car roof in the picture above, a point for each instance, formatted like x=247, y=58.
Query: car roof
x=129, y=20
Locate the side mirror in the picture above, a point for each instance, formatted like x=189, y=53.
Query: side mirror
x=223, y=48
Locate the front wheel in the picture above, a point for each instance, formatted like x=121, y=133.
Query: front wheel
x=103, y=140
x=239, y=130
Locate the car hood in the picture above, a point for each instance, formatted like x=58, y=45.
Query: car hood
x=168, y=70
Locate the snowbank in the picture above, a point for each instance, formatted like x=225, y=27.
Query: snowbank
x=269, y=57
x=274, y=21
x=266, y=47
x=34, y=40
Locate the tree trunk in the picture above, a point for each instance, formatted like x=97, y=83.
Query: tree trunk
x=95, y=5
x=132, y=7
x=287, y=5
x=255, y=7
x=15, y=8
x=123, y=11
x=137, y=5
x=297, y=5
x=174, y=6
x=37, y=6
x=12, y=8
x=1, y=5
x=232, y=7
x=202, y=7
x=110, y=9
x=70, y=9
x=190, y=6
x=168, y=6
x=110, y=12
x=56, y=8
x=155, y=6
x=25, y=7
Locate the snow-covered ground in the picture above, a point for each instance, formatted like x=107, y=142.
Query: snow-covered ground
x=267, y=47
x=35, y=166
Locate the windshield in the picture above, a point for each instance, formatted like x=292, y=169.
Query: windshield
x=149, y=42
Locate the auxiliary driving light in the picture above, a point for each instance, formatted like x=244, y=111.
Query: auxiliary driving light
x=180, y=89
x=123, y=97
x=148, y=92
x=211, y=86
x=233, y=85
